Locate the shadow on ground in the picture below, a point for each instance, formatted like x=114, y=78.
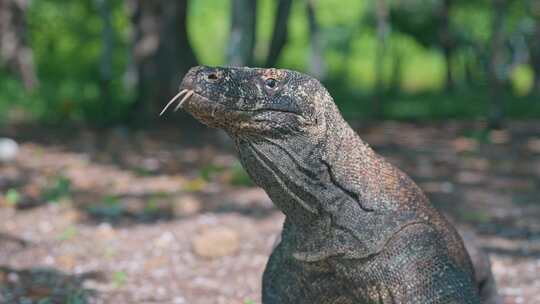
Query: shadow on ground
x=148, y=208
x=126, y=177
x=44, y=285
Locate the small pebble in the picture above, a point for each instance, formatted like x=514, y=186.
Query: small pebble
x=216, y=242
x=8, y=149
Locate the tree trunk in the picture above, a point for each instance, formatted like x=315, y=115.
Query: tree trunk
x=535, y=52
x=317, y=67
x=496, y=69
x=468, y=68
x=161, y=52
x=280, y=33
x=106, y=60
x=447, y=42
x=243, y=32
x=397, y=70
x=536, y=86
x=14, y=49
x=536, y=66
x=382, y=34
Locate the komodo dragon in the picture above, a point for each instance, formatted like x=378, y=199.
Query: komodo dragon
x=357, y=229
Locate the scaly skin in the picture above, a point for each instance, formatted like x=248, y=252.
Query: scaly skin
x=357, y=229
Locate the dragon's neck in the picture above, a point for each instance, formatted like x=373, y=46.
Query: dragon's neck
x=300, y=173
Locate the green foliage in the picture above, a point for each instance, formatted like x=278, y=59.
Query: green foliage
x=416, y=19
x=210, y=171
x=463, y=104
x=239, y=176
x=151, y=206
x=475, y=216
x=60, y=188
x=119, y=279
x=234, y=174
x=156, y=205
x=209, y=22
x=67, y=43
x=479, y=135
x=73, y=297
x=13, y=98
x=109, y=208
x=68, y=233
x=12, y=197
x=77, y=297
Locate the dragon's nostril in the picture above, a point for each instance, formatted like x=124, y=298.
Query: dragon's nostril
x=212, y=76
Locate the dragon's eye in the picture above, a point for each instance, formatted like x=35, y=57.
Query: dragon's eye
x=271, y=83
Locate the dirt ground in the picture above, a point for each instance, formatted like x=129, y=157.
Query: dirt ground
x=168, y=216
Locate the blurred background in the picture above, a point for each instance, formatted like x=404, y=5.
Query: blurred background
x=104, y=62
x=102, y=201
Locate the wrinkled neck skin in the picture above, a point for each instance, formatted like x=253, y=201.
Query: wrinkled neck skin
x=340, y=198
x=301, y=172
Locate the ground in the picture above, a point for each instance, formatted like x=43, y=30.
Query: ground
x=168, y=215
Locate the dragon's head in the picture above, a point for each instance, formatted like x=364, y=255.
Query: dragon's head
x=256, y=101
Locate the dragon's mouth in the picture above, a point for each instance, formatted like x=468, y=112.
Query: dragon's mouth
x=202, y=108
x=185, y=94
x=207, y=110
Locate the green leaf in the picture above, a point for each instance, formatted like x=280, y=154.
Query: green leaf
x=69, y=233
x=12, y=197
x=61, y=188
x=119, y=279
x=239, y=176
